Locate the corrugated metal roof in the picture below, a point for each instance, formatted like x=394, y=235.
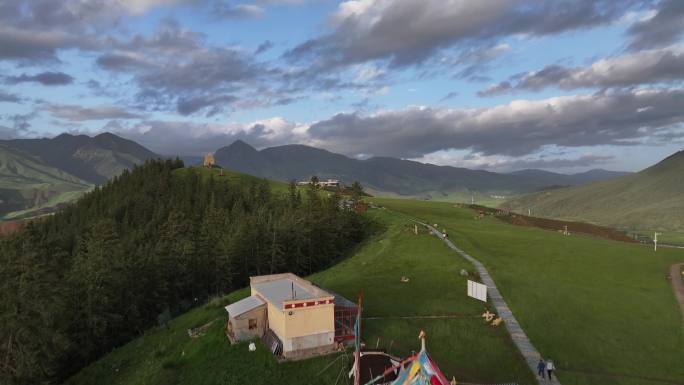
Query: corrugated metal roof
x=244, y=305
x=279, y=291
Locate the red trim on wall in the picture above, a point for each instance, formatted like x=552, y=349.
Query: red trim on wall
x=293, y=305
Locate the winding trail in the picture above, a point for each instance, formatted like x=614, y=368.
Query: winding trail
x=518, y=336
x=677, y=279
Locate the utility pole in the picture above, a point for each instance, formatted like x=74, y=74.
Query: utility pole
x=655, y=241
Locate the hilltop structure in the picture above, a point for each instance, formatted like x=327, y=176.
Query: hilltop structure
x=209, y=160
x=295, y=318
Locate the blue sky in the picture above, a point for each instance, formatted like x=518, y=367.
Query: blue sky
x=501, y=85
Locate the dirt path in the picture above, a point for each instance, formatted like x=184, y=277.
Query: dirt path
x=678, y=285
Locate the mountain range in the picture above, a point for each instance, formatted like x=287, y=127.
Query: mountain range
x=652, y=199
x=391, y=175
x=37, y=175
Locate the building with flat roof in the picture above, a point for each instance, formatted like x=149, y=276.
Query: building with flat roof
x=296, y=318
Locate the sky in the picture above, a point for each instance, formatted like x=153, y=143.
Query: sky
x=559, y=85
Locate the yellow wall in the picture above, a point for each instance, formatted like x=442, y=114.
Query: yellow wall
x=308, y=321
x=276, y=320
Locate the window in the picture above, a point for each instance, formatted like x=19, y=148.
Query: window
x=252, y=324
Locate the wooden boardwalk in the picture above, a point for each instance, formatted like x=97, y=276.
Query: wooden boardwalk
x=518, y=335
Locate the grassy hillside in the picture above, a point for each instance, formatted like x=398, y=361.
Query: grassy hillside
x=651, y=199
x=150, y=245
x=603, y=310
x=36, y=175
x=93, y=159
x=26, y=182
x=464, y=347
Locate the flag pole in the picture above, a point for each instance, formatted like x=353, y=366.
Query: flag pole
x=357, y=369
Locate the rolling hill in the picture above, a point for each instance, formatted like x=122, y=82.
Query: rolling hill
x=390, y=175
x=27, y=182
x=650, y=199
x=93, y=159
x=38, y=175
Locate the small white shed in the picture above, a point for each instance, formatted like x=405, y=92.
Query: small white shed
x=246, y=319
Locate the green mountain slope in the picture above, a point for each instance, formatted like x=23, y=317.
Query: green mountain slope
x=38, y=175
x=27, y=182
x=390, y=175
x=93, y=159
x=650, y=199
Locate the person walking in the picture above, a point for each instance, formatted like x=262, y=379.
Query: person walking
x=541, y=368
x=550, y=367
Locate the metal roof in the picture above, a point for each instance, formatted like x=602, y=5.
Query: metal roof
x=244, y=305
x=279, y=291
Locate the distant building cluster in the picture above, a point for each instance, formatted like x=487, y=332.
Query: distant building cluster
x=323, y=183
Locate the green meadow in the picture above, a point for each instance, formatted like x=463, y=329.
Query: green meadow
x=602, y=310
x=463, y=346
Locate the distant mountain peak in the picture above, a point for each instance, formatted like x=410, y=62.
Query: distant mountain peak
x=240, y=144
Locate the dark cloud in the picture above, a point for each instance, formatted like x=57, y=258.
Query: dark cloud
x=448, y=96
x=644, y=67
x=191, y=138
x=44, y=78
x=35, y=31
x=192, y=105
x=545, y=163
x=32, y=46
x=263, y=47
x=78, y=113
x=223, y=10
x=496, y=89
x=123, y=62
x=20, y=125
x=407, y=32
x=6, y=97
x=174, y=70
x=518, y=128
x=664, y=28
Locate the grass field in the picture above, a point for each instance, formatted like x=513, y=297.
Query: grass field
x=673, y=237
x=603, y=310
x=463, y=347
x=440, y=196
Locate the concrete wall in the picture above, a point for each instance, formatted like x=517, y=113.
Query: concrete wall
x=309, y=342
